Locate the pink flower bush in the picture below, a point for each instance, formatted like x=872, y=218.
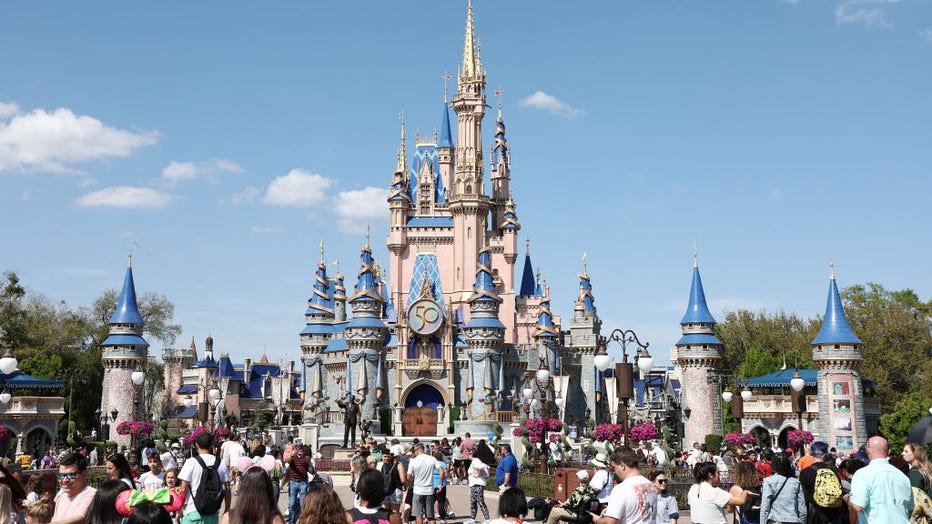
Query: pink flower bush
x=535, y=429
x=5, y=433
x=135, y=427
x=189, y=438
x=221, y=433
x=607, y=432
x=644, y=431
x=799, y=437
x=740, y=439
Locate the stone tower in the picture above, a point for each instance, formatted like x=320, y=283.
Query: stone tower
x=176, y=360
x=122, y=353
x=484, y=333
x=319, y=325
x=584, y=342
x=699, y=354
x=837, y=355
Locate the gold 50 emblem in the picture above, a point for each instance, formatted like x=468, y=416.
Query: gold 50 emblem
x=425, y=316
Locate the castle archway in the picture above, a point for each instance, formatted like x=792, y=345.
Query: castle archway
x=422, y=403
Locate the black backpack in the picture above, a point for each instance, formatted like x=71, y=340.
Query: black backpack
x=210, y=492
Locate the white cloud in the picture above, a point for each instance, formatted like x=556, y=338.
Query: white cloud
x=266, y=230
x=179, y=171
x=247, y=196
x=552, y=104
x=8, y=109
x=126, y=197
x=867, y=12
x=52, y=141
x=926, y=34
x=354, y=208
x=298, y=188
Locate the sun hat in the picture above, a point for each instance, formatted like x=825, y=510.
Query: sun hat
x=600, y=461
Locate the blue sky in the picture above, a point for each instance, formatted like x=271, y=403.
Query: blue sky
x=227, y=138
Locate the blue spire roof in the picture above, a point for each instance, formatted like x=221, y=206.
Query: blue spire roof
x=528, y=284
x=484, y=289
x=446, y=137
x=545, y=326
x=511, y=216
x=321, y=301
x=697, y=312
x=500, y=149
x=835, y=328
x=127, y=311
x=585, y=292
x=366, y=286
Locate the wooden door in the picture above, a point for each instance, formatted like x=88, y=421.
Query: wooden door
x=419, y=422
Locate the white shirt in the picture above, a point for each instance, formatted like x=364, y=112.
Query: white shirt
x=634, y=501
x=602, y=483
x=695, y=455
x=707, y=503
x=478, y=472
x=422, y=469
x=152, y=480
x=231, y=452
x=168, y=461
x=659, y=455
x=191, y=472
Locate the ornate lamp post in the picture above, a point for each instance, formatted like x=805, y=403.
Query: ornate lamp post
x=138, y=377
x=624, y=371
x=797, y=396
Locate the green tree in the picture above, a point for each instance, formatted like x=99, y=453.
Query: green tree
x=896, y=425
x=895, y=328
x=755, y=340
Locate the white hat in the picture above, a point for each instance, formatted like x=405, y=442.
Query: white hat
x=175, y=445
x=583, y=475
x=600, y=461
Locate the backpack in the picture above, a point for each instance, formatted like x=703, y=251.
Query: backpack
x=827, y=492
x=381, y=516
x=210, y=491
x=750, y=510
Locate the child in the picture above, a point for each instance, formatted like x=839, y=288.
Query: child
x=41, y=511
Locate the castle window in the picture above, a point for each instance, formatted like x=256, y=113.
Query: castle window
x=837, y=346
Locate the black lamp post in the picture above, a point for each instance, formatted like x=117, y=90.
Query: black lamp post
x=624, y=371
x=138, y=377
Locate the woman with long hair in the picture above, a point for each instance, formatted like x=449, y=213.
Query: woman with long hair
x=118, y=469
x=322, y=506
x=920, y=469
x=782, y=498
x=746, y=478
x=6, y=505
x=256, y=503
x=707, y=502
x=103, y=508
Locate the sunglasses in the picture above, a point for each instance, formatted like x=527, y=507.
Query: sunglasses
x=661, y=481
x=69, y=476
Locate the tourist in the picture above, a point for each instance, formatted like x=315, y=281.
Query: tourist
x=506, y=474
x=322, y=506
x=11, y=479
x=695, y=456
x=746, y=478
x=708, y=503
x=33, y=489
x=634, y=501
x=256, y=503
x=230, y=453
x=118, y=469
x=459, y=462
x=171, y=458
x=371, y=491
x=577, y=502
x=467, y=444
x=103, y=508
x=879, y=490
x=658, y=454
x=512, y=507
x=192, y=473
x=807, y=478
x=393, y=479
x=75, y=497
x=421, y=477
x=298, y=468
x=782, y=498
x=92, y=457
x=171, y=482
x=603, y=480
x=667, y=510
x=276, y=474
x=6, y=505
x=358, y=464
x=920, y=469
x=41, y=511
x=485, y=452
x=149, y=513
x=478, y=474
x=154, y=478
x=440, y=486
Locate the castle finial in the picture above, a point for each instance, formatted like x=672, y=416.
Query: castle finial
x=402, y=152
x=695, y=252
x=445, y=96
x=527, y=245
x=831, y=265
x=585, y=268
x=129, y=263
x=321, y=250
x=368, y=230
x=471, y=64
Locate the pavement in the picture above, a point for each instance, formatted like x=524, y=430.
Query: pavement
x=457, y=494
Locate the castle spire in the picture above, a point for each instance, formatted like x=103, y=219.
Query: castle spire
x=528, y=282
x=446, y=136
x=127, y=311
x=472, y=63
x=835, y=328
x=697, y=312
x=484, y=288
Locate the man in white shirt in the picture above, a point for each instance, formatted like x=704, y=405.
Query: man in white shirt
x=190, y=477
x=602, y=481
x=634, y=501
x=694, y=456
x=659, y=454
x=421, y=477
x=230, y=453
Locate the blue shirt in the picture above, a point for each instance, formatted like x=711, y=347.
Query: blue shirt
x=508, y=464
x=883, y=491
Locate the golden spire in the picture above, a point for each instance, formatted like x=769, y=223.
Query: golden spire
x=472, y=64
x=402, y=153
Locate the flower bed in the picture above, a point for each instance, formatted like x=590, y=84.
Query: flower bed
x=740, y=439
x=135, y=427
x=799, y=437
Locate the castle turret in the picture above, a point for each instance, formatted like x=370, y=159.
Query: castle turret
x=583, y=342
x=339, y=299
x=446, y=146
x=319, y=315
x=484, y=334
x=176, y=361
x=122, y=353
x=501, y=173
x=366, y=335
x=837, y=354
x=699, y=354
x=399, y=201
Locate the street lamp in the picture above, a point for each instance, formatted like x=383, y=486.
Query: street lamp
x=797, y=396
x=138, y=377
x=5, y=397
x=8, y=362
x=624, y=371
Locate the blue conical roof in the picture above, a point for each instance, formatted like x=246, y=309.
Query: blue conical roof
x=835, y=328
x=545, y=325
x=528, y=284
x=500, y=149
x=127, y=311
x=697, y=312
x=484, y=289
x=585, y=292
x=322, y=300
x=446, y=137
x=366, y=286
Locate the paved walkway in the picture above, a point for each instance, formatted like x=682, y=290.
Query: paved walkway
x=458, y=495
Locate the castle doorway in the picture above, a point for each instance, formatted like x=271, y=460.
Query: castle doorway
x=420, y=414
